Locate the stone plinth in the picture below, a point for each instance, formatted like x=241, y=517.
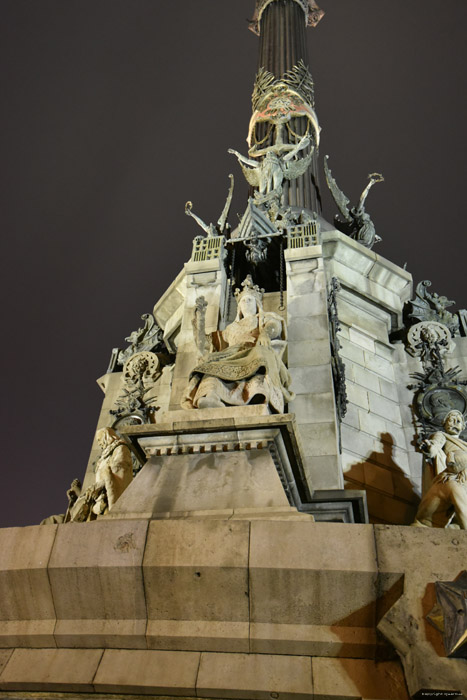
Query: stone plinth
x=229, y=609
x=247, y=462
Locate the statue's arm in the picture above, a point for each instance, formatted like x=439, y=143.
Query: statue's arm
x=243, y=159
x=434, y=444
x=202, y=340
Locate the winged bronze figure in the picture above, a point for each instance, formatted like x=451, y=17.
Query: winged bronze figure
x=222, y=227
x=357, y=222
x=269, y=173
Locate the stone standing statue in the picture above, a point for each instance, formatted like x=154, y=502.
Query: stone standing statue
x=245, y=365
x=114, y=472
x=445, y=503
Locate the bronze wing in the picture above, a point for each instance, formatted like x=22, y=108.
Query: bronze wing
x=337, y=194
x=295, y=168
x=251, y=174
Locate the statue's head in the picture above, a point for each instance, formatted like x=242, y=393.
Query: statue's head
x=249, y=299
x=428, y=335
x=454, y=422
x=105, y=436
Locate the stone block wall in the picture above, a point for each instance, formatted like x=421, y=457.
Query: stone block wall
x=375, y=433
x=309, y=362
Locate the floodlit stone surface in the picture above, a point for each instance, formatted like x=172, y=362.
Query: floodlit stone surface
x=97, y=583
x=312, y=640
x=58, y=670
x=362, y=679
x=425, y=555
x=203, y=481
x=5, y=655
x=147, y=672
x=27, y=611
x=255, y=676
x=296, y=578
x=196, y=583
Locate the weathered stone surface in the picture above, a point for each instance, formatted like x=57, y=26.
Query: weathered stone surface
x=298, y=558
x=351, y=417
x=4, y=658
x=358, y=337
x=357, y=395
x=425, y=556
x=379, y=365
x=306, y=305
x=314, y=408
x=351, y=352
x=342, y=679
x=255, y=676
x=303, y=353
x=318, y=439
x=309, y=327
x=366, y=379
x=311, y=380
x=324, y=471
x=147, y=672
x=312, y=640
x=92, y=569
x=198, y=635
x=27, y=612
x=58, y=670
x=204, y=481
x=208, y=561
x=384, y=407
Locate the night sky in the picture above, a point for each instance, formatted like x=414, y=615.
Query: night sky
x=116, y=112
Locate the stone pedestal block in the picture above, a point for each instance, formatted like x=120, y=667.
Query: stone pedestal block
x=255, y=677
x=310, y=597
x=97, y=584
x=358, y=679
x=147, y=672
x=196, y=583
x=57, y=670
x=27, y=614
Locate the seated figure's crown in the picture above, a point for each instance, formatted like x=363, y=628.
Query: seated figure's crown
x=249, y=289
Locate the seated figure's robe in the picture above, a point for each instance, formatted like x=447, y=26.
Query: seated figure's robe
x=248, y=370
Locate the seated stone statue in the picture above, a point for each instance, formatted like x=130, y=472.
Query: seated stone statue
x=245, y=363
x=445, y=503
x=114, y=472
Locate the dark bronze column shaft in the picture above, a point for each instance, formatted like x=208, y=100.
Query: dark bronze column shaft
x=282, y=44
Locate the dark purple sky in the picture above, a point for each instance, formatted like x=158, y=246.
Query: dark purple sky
x=116, y=112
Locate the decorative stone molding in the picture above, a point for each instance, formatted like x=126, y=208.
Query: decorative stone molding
x=427, y=339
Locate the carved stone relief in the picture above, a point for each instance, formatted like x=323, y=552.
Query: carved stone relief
x=428, y=306
x=137, y=403
x=147, y=338
x=430, y=341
